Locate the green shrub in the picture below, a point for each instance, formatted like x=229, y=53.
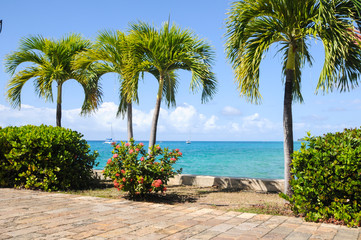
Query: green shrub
x=134, y=170
x=327, y=178
x=44, y=157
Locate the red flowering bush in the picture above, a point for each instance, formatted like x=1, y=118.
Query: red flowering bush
x=138, y=172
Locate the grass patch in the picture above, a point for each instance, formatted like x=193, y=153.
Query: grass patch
x=269, y=209
x=223, y=199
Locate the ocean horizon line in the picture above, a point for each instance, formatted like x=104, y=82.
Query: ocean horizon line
x=160, y=141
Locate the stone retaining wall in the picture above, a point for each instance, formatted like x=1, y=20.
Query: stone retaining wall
x=254, y=184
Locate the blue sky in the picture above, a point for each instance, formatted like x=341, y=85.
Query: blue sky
x=228, y=117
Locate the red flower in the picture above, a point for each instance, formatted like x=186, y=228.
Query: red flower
x=124, y=179
x=172, y=159
x=157, y=183
x=127, y=144
x=164, y=189
x=113, y=143
x=141, y=144
x=116, y=184
x=137, y=149
x=118, y=146
x=180, y=154
x=122, y=171
x=109, y=161
x=142, y=159
x=177, y=150
x=131, y=151
x=158, y=147
x=115, y=155
x=117, y=174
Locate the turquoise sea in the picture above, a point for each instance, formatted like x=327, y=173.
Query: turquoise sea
x=231, y=159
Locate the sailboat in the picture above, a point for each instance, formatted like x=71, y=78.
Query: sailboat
x=110, y=140
x=189, y=141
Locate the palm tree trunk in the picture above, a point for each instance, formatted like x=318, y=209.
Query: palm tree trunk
x=130, y=121
x=153, y=129
x=58, y=105
x=287, y=119
x=288, y=130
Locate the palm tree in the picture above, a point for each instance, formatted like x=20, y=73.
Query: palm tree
x=50, y=61
x=111, y=54
x=161, y=53
x=253, y=26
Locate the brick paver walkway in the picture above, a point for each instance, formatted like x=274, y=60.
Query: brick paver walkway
x=38, y=215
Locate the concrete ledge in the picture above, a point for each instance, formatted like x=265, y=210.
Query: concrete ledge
x=254, y=184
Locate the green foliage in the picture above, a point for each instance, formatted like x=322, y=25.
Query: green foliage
x=253, y=26
x=44, y=157
x=134, y=170
x=327, y=178
x=47, y=61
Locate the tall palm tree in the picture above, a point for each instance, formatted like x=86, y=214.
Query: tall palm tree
x=163, y=51
x=254, y=25
x=50, y=61
x=111, y=54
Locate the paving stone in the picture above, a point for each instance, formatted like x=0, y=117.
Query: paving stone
x=349, y=234
x=274, y=236
x=119, y=233
x=235, y=232
x=23, y=231
x=208, y=234
x=307, y=228
x=298, y=236
x=41, y=215
x=247, y=215
x=224, y=236
x=246, y=226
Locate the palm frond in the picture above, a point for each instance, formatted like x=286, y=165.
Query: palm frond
x=164, y=50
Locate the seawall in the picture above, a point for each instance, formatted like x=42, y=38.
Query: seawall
x=253, y=184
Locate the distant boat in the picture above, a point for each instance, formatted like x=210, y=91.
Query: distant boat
x=188, y=142
x=110, y=140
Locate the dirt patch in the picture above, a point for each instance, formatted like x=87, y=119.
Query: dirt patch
x=209, y=197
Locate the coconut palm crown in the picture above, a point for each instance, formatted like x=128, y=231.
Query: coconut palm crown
x=254, y=25
x=49, y=61
x=162, y=52
x=111, y=54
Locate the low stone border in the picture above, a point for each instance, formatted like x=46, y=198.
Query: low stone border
x=254, y=184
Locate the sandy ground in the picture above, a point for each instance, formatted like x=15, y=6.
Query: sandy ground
x=225, y=199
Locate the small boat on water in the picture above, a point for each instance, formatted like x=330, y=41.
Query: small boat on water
x=188, y=142
x=109, y=140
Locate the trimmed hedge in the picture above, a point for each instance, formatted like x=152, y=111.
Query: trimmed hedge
x=45, y=157
x=327, y=178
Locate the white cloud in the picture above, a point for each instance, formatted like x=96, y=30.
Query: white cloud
x=184, y=117
x=173, y=124
x=181, y=120
x=211, y=123
x=231, y=111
